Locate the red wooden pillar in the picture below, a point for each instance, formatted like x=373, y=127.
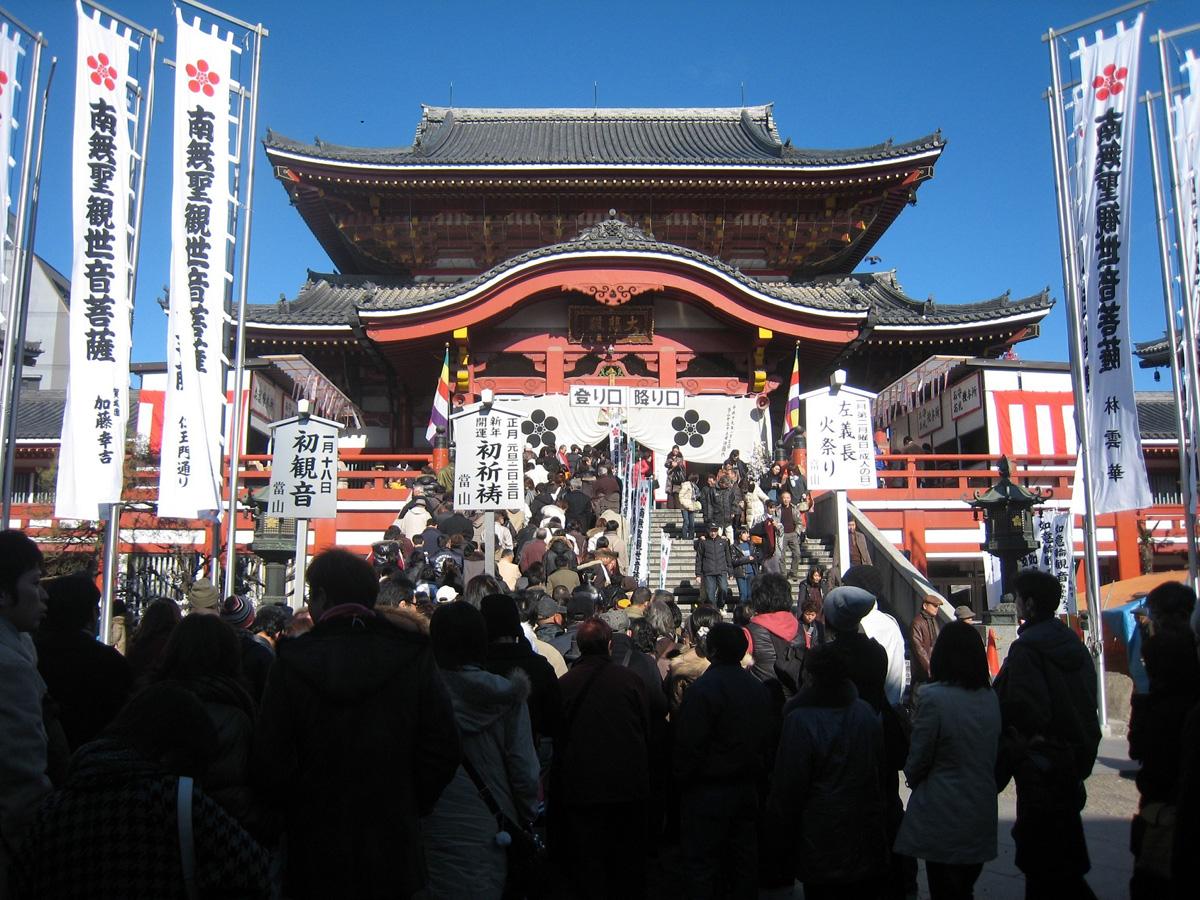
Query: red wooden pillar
x=914, y=538
x=1125, y=535
x=324, y=535
x=555, y=371
x=668, y=376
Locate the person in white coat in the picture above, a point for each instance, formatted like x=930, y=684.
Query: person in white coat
x=882, y=627
x=951, y=817
x=463, y=857
x=23, y=742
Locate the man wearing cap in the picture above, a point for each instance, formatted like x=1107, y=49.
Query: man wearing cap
x=580, y=607
x=923, y=633
x=722, y=732
x=550, y=613
x=203, y=599
x=714, y=561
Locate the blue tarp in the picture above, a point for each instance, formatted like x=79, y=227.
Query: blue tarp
x=1120, y=621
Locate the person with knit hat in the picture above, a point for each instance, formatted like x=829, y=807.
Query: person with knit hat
x=203, y=598
x=238, y=612
x=880, y=623
x=720, y=756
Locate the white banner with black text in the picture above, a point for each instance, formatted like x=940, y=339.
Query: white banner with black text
x=190, y=475
x=10, y=55
x=1104, y=108
x=92, y=454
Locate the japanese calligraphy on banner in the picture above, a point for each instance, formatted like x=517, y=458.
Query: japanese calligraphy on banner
x=966, y=397
x=190, y=474
x=488, y=471
x=1104, y=109
x=841, y=451
x=10, y=54
x=1055, y=554
x=304, y=465
x=92, y=453
x=595, y=396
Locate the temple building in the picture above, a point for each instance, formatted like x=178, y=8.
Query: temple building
x=683, y=249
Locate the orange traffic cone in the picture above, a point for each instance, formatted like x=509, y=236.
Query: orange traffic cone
x=993, y=655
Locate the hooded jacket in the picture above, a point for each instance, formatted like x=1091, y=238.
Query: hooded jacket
x=459, y=836
x=1047, y=687
x=770, y=634
x=826, y=791
x=356, y=738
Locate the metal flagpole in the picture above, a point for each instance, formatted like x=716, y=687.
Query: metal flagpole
x=1186, y=436
x=233, y=439
x=1188, y=292
x=13, y=352
x=1068, y=246
x=22, y=285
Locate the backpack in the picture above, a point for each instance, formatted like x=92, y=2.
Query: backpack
x=789, y=658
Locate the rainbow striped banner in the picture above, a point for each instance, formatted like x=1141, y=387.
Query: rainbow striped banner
x=791, y=415
x=439, y=416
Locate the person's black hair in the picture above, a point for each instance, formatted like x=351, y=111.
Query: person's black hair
x=535, y=574
x=481, y=586
x=810, y=605
x=451, y=575
x=271, y=619
x=18, y=555
x=703, y=616
x=770, y=593
x=742, y=613
x=527, y=604
x=1041, y=589
x=658, y=614
x=601, y=543
x=959, y=658
x=168, y=725
x=1170, y=602
x=823, y=664
x=676, y=613
x=458, y=635
x=200, y=646
x=394, y=590
x=593, y=637
x=643, y=635
x=344, y=577
x=392, y=533
x=71, y=602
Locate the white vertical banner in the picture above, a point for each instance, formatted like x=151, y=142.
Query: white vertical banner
x=191, y=470
x=1104, y=108
x=10, y=54
x=92, y=453
x=1185, y=109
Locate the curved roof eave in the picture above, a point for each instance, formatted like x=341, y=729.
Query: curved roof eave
x=959, y=326
x=889, y=162
x=490, y=280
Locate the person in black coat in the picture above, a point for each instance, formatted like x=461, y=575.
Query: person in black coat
x=89, y=680
x=508, y=649
x=579, y=504
x=356, y=740
x=721, y=748
x=600, y=777
x=714, y=562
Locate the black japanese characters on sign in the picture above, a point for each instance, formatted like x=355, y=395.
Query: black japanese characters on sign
x=197, y=213
x=304, y=470
x=487, y=461
x=1107, y=177
x=100, y=236
x=841, y=451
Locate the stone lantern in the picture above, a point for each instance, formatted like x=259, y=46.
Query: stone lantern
x=275, y=544
x=1008, y=522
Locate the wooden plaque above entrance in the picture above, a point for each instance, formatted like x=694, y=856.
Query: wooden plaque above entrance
x=596, y=325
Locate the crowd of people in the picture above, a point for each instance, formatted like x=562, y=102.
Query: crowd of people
x=425, y=727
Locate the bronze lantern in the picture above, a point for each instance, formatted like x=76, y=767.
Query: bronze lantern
x=1007, y=510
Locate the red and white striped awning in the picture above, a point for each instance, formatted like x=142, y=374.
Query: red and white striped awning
x=1032, y=423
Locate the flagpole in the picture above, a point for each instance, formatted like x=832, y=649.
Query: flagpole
x=22, y=285
x=1188, y=293
x=14, y=353
x=1070, y=264
x=234, y=433
x=1186, y=436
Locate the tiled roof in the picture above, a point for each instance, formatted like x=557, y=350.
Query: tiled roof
x=40, y=415
x=338, y=300
x=707, y=136
x=1156, y=415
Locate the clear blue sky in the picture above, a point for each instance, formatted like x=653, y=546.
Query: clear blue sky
x=840, y=75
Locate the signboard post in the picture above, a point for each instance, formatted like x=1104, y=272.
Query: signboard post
x=304, y=464
x=488, y=472
x=841, y=448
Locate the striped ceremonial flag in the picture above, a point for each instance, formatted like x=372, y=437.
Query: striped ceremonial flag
x=439, y=416
x=791, y=415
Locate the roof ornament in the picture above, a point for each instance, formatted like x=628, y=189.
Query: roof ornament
x=612, y=230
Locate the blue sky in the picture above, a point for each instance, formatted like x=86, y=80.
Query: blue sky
x=840, y=75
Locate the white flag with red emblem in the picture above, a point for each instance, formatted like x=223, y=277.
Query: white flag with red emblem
x=190, y=474
x=92, y=454
x=10, y=55
x=1104, y=109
